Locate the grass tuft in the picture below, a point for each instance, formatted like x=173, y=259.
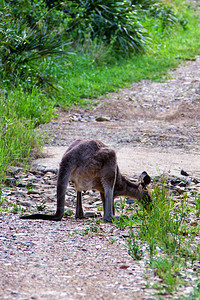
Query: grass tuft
x=165, y=237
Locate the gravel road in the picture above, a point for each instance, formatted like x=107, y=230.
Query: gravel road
x=153, y=126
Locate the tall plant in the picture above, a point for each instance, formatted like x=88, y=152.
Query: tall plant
x=111, y=21
x=22, y=48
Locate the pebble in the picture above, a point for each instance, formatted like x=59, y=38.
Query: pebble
x=102, y=119
x=14, y=293
x=92, y=214
x=130, y=201
x=20, y=195
x=25, y=203
x=41, y=266
x=98, y=247
x=13, y=170
x=31, y=192
x=184, y=173
x=10, y=182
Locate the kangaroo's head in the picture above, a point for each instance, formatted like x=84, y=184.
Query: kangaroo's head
x=144, y=192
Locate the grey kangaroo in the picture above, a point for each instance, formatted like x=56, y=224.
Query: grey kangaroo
x=89, y=164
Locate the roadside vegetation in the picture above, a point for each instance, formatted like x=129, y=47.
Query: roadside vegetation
x=168, y=238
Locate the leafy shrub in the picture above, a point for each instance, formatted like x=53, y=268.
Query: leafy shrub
x=34, y=13
x=164, y=13
x=114, y=22
x=120, y=23
x=23, y=49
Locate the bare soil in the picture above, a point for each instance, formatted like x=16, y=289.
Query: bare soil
x=153, y=126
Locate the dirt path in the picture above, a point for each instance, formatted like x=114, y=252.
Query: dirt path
x=154, y=126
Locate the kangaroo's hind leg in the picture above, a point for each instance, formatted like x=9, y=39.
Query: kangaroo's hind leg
x=79, y=208
x=103, y=200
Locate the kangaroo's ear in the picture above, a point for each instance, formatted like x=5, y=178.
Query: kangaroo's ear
x=144, y=179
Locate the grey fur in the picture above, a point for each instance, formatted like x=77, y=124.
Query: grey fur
x=89, y=164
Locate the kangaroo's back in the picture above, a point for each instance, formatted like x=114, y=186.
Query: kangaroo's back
x=91, y=155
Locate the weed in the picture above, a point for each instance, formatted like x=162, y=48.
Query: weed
x=85, y=232
x=41, y=207
x=161, y=226
x=90, y=230
x=197, y=204
x=68, y=213
x=1, y=198
x=30, y=186
x=134, y=248
x=112, y=241
x=121, y=222
x=4, y=204
x=14, y=208
x=99, y=208
x=92, y=227
x=121, y=208
x=168, y=270
x=93, y=221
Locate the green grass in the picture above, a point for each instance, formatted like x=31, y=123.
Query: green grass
x=166, y=237
x=34, y=106
x=90, y=73
x=20, y=113
x=9, y=207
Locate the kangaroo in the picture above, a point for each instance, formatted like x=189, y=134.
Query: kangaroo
x=89, y=164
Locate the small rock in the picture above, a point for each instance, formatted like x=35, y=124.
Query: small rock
x=20, y=195
x=129, y=201
x=97, y=202
x=38, y=169
x=54, y=171
x=184, y=173
x=180, y=189
x=98, y=247
x=25, y=203
x=33, y=192
x=13, y=170
x=175, y=181
x=92, y=214
x=41, y=266
x=196, y=181
x=124, y=267
x=14, y=293
x=102, y=119
x=37, y=196
x=22, y=184
x=10, y=182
